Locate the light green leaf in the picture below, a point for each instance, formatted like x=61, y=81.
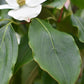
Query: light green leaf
x=57, y=3
x=79, y=23
x=8, y=53
x=55, y=52
x=4, y=17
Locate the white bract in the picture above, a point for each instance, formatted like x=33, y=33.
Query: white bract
x=23, y=9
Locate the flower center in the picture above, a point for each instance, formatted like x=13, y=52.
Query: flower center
x=21, y=2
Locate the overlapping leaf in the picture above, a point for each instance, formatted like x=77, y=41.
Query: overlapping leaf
x=79, y=23
x=55, y=52
x=8, y=53
x=29, y=73
x=25, y=53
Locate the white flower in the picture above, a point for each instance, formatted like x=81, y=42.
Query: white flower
x=67, y=4
x=23, y=9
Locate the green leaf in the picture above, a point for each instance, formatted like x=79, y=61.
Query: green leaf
x=16, y=78
x=47, y=79
x=3, y=17
x=79, y=23
x=82, y=81
x=29, y=73
x=78, y=3
x=25, y=53
x=55, y=52
x=8, y=53
x=44, y=78
x=66, y=26
x=57, y=3
x=45, y=13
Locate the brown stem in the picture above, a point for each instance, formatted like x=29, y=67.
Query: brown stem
x=59, y=19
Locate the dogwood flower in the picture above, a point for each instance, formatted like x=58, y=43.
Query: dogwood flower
x=23, y=9
x=67, y=4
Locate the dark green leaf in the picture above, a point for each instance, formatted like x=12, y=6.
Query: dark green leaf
x=66, y=26
x=25, y=53
x=16, y=78
x=47, y=79
x=29, y=73
x=79, y=3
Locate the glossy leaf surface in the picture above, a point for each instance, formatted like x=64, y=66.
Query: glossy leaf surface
x=8, y=53
x=55, y=52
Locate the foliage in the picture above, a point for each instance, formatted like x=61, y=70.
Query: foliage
x=51, y=47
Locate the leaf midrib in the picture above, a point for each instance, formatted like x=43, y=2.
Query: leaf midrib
x=3, y=37
x=52, y=45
